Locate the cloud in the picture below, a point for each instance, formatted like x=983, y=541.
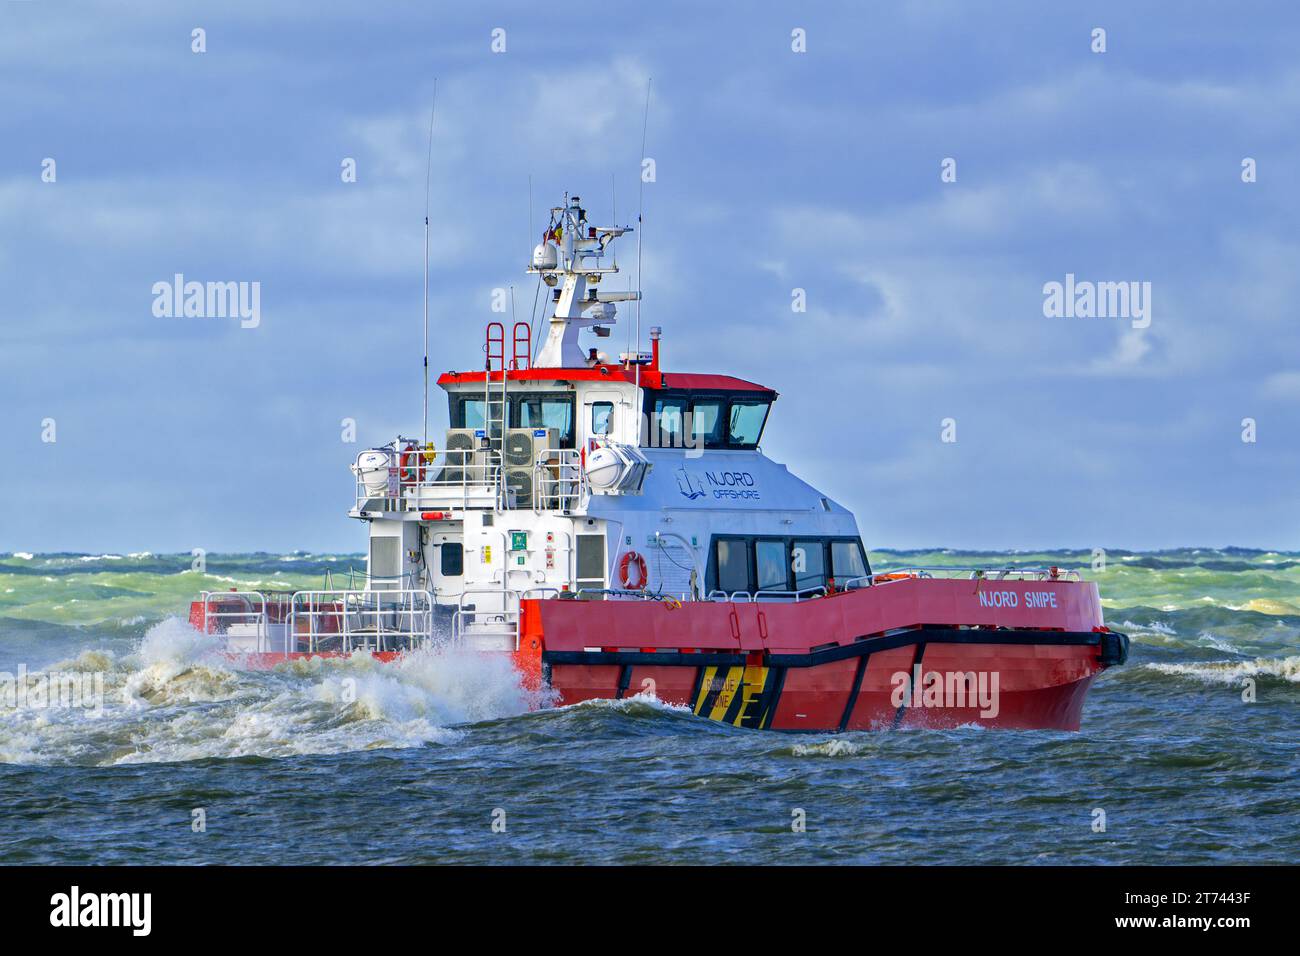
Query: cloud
x=1282, y=385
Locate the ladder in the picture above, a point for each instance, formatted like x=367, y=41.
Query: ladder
x=496, y=404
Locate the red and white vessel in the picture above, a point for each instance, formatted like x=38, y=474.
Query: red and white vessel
x=617, y=529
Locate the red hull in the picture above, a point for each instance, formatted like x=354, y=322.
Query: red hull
x=910, y=653
x=918, y=652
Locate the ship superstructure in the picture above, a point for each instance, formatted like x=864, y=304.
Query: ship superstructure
x=616, y=528
x=573, y=471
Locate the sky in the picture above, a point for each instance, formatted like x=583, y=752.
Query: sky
x=775, y=170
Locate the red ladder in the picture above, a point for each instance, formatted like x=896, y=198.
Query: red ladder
x=522, y=358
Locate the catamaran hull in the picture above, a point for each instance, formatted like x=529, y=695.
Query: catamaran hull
x=910, y=653
x=924, y=683
x=918, y=652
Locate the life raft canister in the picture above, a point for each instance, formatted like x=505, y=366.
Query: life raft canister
x=633, y=560
x=412, y=464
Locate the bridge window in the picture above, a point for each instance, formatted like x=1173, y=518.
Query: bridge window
x=544, y=410
x=467, y=413
x=669, y=428
x=846, y=561
x=808, y=560
x=707, y=418
x=732, y=564
x=773, y=570
x=783, y=564
x=747, y=420
x=726, y=420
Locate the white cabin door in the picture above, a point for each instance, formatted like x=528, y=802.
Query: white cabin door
x=606, y=416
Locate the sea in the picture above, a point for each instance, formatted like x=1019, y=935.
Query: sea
x=1187, y=755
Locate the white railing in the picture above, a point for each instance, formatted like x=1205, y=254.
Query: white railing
x=559, y=481
x=767, y=594
x=965, y=573
x=900, y=574
x=489, y=620
x=404, y=481
x=348, y=621
x=246, y=628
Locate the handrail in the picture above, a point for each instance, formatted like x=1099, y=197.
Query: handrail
x=818, y=590
x=259, y=617
x=468, y=618
x=541, y=589
x=402, y=617
x=455, y=479
x=973, y=573
x=625, y=592
x=559, y=481
x=756, y=597
x=900, y=574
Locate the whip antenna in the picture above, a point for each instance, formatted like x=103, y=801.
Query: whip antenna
x=645, y=122
x=428, y=173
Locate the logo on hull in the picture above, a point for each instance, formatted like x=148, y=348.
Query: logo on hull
x=691, y=488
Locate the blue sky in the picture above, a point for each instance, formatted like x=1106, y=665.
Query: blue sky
x=775, y=170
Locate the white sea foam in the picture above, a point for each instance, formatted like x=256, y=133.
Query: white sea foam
x=645, y=698
x=1234, y=672
x=176, y=698
x=835, y=747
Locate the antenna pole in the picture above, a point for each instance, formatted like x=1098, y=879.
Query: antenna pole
x=645, y=122
x=428, y=173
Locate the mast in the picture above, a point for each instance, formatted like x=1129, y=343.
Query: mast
x=568, y=260
x=645, y=123
x=428, y=173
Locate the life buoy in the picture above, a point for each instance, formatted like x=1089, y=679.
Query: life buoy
x=412, y=464
x=632, y=559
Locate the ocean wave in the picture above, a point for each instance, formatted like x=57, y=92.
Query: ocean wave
x=641, y=703
x=1285, y=669
x=176, y=697
x=835, y=747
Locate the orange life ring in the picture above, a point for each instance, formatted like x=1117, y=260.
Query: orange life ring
x=630, y=559
x=412, y=464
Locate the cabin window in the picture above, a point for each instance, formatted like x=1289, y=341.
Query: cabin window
x=669, y=414
x=745, y=426
x=808, y=558
x=733, y=564
x=451, y=562
x=601, y=415
x=707, y=419
x=468, y=413
x=846, y=561
x=772, y=567
x=783, y=564
x=726, y=420
x=544, y=410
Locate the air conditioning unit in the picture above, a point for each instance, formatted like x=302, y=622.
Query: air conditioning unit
x=522, y=447
x=519, y=483
x=462, y=453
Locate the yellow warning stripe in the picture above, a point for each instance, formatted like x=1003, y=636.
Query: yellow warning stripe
x=730, y=694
